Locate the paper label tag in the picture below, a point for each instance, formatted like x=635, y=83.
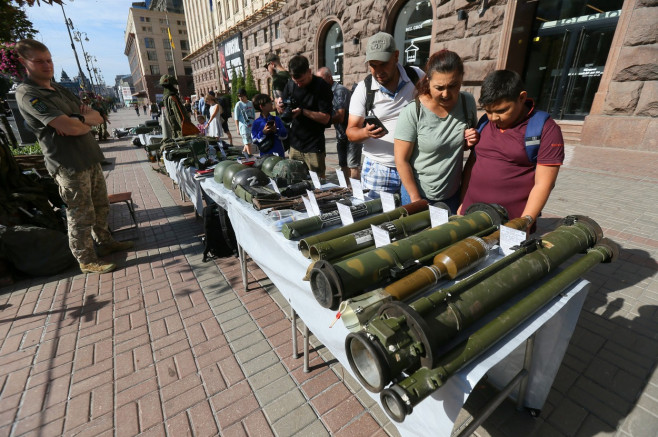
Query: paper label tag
x=509, y=238
x=308, y=207
x=274, y=186
x=315, y=179
x=438, y=216
x=345, y=214
x=357, y=189
x=363, y=236
x=381, y=236
x=388, y=201
x=341, y=178
x=314, y=202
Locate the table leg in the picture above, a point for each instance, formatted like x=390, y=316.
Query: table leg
x=293, y=319
x=243, y=265
x=527, y=362
x=306, y=340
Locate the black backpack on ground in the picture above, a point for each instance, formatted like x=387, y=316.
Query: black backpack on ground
x=219, y=240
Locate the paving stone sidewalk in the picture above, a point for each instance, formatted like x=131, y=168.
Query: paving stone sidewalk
x=169, y=345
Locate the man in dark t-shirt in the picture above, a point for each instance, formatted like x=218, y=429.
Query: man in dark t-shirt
x=311, y=105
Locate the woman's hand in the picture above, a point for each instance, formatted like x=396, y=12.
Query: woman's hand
x=472, y=136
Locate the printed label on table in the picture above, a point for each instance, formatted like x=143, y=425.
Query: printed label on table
x=341, y=178
x=309, y=208
x=364, y=236
x=438, y=216
x=509, y=238
x=388, y=201
x=315, y=179
x=381, y=236
x=314, y=202
x=274, y=186
x=345, y=214
x=357, y=189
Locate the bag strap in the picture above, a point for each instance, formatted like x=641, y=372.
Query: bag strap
x=370, y=93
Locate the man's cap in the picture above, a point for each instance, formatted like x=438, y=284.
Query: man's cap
x=271, y=57
x=242, y=92
x=381, y=47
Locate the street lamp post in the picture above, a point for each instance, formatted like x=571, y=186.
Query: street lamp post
x=69, y=26
x=77, y=35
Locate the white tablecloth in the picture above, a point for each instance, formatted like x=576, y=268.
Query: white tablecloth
x=285, y=266
x=184, y=177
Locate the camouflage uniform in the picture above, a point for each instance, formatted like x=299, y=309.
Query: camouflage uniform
x=74, y=162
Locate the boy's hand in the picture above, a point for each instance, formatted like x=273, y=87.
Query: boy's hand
x=472, y=137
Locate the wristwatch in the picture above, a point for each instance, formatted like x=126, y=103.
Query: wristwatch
x=79, y=117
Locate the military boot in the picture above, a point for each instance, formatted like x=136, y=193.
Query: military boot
x=97, y=267
x=114, y=246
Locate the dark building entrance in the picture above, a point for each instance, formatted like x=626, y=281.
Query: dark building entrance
x=568, y=49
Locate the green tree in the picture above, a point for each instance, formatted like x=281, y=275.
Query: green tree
x=241, y=83
x=250, y=84
x=15, y=24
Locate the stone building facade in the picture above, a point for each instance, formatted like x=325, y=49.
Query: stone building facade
x=593, y=65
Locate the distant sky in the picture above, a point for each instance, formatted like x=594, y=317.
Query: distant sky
x=105, y=23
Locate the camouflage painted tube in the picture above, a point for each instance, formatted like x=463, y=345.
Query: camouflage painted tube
x=450, y=263
x=332, y=284
x=403, y=338
x=399, y=399
x=402, y=227
x=409, y=209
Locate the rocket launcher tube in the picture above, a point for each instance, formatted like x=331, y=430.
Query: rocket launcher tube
x=409, y=209
x=402, y=227
x=332, y=284
x=399, y=399
x=433, y=320
x=311, y=224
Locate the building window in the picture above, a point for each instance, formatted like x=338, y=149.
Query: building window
x=149, y=43
x=256, y=62
x=141, y=19
x=188, y=71
x=265, y=35
x=183, y=54
x=155, y=70
x=246, y=43
x=165, y=42
x=170, y=71
x=163, y=30
x=333, y=51
x=236, y=6
x=162, y=20
x=277, y=32
x=183, y=45
x=413, y=28
x=147, y=19
x=151, y=55
x=168, y=56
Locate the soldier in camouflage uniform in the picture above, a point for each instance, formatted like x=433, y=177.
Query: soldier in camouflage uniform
x=174, y=113
x=71, y=155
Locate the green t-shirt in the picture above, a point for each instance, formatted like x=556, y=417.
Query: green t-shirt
x=437, y=157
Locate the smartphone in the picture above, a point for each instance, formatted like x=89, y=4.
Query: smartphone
x=270, y=123
x=371, y=119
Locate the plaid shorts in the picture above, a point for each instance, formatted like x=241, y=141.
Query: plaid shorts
x=378, y=177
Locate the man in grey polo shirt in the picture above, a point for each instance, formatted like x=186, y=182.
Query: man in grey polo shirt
x=391, y=89
x=72, y=155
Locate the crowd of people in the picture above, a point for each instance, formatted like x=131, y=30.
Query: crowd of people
x=401, y=130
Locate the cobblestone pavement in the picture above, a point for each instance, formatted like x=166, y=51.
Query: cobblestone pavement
x=169, y=345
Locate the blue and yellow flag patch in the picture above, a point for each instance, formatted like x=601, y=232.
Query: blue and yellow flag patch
x=39, y=105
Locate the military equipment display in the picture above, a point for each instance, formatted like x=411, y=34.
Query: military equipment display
x=290, y=170
x=305, y=244
x=218, y=174
x=306, y=226
x=450, y=263
x=399, y=399
x=268, y=164
x=249, y=177
x=403, y=338
x=229, y=172
x=333, y=283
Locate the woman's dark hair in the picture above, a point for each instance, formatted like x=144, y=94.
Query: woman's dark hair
x=443, y=61
x=260, y=99
x=500, y=85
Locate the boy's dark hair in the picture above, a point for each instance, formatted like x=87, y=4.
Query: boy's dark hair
x=500, y=85
x=298, y=65
x=25, y=46
x=260, y=100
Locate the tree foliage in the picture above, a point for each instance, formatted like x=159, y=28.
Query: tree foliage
x=15, y=24
x=250, y=85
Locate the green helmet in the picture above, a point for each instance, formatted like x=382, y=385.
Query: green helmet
x=167, y=79
x=219, y=170
x=249, y=177
x=230, y=171
x=291, y=170
x=268, y=164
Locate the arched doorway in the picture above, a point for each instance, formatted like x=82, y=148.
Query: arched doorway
x=333, y=51
x=413, y=32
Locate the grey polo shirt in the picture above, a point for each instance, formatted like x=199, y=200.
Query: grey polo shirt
x=39, y=107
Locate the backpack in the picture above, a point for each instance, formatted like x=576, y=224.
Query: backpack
x=219, y=240
x=532, y=132
x=225, y=104
x=370, y=93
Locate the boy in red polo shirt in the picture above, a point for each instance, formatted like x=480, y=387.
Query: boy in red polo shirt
x=498, y=169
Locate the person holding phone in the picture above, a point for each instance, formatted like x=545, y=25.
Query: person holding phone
x=268, y=130
x=433, y=131
x=374, y=109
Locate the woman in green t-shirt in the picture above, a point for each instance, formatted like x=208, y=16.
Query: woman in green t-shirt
x=433, y=131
